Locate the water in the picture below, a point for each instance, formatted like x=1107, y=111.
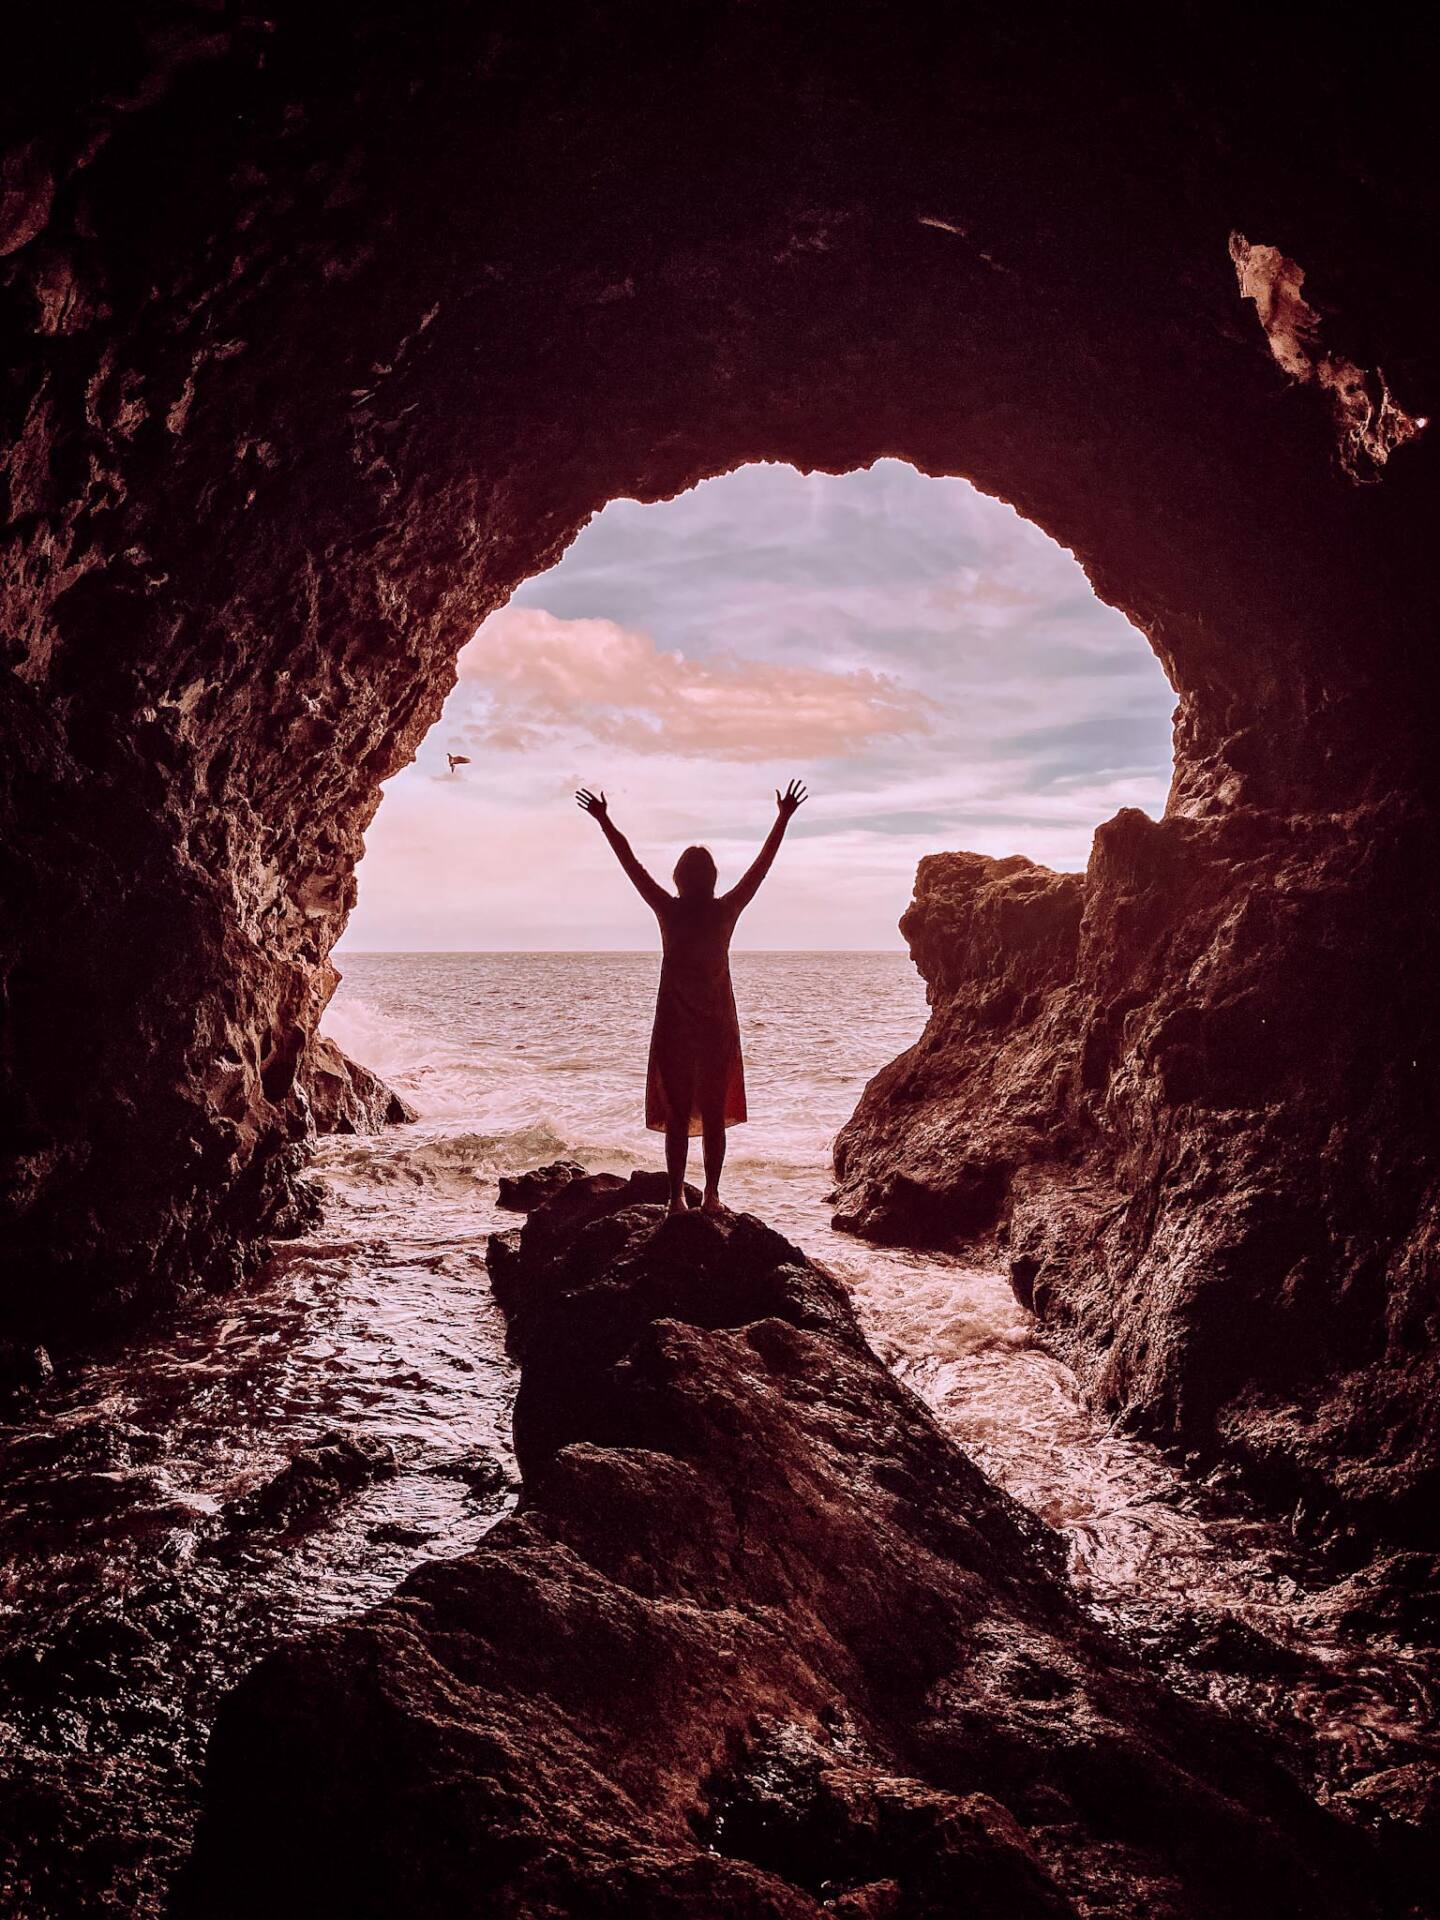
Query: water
x=129, y=1600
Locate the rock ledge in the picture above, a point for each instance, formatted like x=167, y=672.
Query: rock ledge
x=759, y=1640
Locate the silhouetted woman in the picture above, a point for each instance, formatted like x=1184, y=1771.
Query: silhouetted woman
x=696, y=1078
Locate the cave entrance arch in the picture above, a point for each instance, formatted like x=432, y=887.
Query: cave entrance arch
x=324, y=336
x=936, y=668
x=939, y=671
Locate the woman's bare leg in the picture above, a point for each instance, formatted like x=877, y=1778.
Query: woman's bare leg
x=714, y=1138
x=677, y=1153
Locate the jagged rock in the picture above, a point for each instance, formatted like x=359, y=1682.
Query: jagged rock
x=931, y=1152
x=929, y=1156
x=760, y=1640
x=345, y=1097
x=1147, y=1087
x=502, y=1251
x=1396, y=1594
x=24, y=1367
x=488, y=1479
x=523, y=1192
x=313, y=1481
x=395, y=1533
x=512, y=1258
x=1403, y=1804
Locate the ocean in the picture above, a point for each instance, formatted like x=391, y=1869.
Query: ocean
x=515, y=1058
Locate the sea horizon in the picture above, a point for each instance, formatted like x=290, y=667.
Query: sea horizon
x=462, y=953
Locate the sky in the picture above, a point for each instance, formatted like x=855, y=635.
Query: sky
x=934, y=667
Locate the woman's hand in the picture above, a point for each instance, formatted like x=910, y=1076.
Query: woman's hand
x=597, y=804
x=748, y=885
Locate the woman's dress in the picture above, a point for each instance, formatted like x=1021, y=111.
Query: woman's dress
x=695, y=1064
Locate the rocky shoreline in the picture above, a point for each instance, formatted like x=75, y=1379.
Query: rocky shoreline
x=759, y=1640
x=1127, y=1093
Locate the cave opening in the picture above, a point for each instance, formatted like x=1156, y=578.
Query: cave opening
x=939, y=671
x=325, y=331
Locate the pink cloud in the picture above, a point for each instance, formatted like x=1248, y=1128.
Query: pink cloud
x=618, y=688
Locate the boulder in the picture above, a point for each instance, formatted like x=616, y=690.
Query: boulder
x=523, y=1192
x=760, y=1640
x=346, y=1097
x=314, y=1481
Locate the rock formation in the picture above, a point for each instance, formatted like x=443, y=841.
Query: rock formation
x=312, y=1481
x=523, y=1192
x=345, y=1097
x=1158, y=1121
x=760, y=1640
x=325, y=326
x=929, y=1157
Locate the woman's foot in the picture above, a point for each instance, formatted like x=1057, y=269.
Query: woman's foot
x=711, y=1202
x=678, y=1205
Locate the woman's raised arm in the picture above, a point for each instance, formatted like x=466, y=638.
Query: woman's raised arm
x=649, y=889
x=746, y=888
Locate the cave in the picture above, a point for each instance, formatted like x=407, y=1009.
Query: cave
x=329, y=326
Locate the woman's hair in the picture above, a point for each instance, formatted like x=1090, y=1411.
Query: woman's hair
x=695, y=873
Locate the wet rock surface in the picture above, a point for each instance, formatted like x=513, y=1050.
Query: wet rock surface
x=759, y=1640
x=176, y=1506
x=314, y=1479
x=523, y=1192
x=345, y=1097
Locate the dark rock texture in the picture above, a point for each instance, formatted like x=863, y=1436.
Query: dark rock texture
x=930, y=1155
x=523, y=1192
x=324, y=326
x=313, y=1481
x=760, y=1640
x=1177, y=1096
x=345, y=1097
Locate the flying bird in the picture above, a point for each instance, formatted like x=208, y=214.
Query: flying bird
x=458, y=760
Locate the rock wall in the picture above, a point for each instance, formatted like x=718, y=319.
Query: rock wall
x=324, y=327
x=759, y=1641
x=1189, y=1099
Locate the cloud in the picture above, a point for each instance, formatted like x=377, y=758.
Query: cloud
x=601, y=681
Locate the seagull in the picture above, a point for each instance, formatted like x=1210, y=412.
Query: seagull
x=458, y=760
